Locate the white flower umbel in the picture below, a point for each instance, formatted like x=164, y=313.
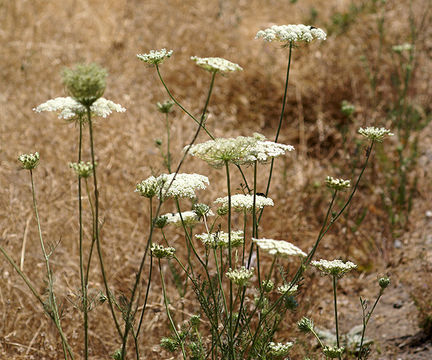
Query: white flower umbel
x=336, y=268
x=83, y=169
x=402, y=47
x=279, y=350
x=155, y=57
x=279, y=247
x=291, y=33
x=241, y=150
x=240, y=202
x=183, y=186
x=148, y=187
x=287, y=289
x=70, y=109
x=333, y=352
x=162, y=252
x=240, y=276
x=220, y=239
x=216, y=64
x=337, y=184
x=29, y=161
x=263, y=150
x=190, y=218
x=374, y=133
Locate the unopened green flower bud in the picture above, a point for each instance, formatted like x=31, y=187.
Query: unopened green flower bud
x=117, y=354
x=267, y=285
x=384, y=282
x=161, y=221
x=158, y=142
x=305, y=324
x=85, y=83
x=195, y=320
x=165, y=107
x=201, y=209
x=347, y=108
x=29, y=161
x=169, y=344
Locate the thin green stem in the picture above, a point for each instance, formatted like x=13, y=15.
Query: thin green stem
x=96, y=230
x=336, y=311
x=169, y=313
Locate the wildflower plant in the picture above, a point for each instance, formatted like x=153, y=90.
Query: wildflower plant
x=242, y=303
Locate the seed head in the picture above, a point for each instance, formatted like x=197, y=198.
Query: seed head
x=384, y=282
x=305, y=324
x=165, y=107
x=82, y=169
x=29, y=161
x=162, y=252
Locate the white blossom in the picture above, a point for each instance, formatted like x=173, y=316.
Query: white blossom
x=82, y=169
x=220, y=239
x=240, y=202
x=374, y=133
x=183, y=186
x=279, y=349
x=335, y=267
x=70, y=109
x=155, y=57
x=240, y=276
x=337, y=184
x=29, y=161
x=162, y=252
x=241, y=150
x=279, y=247
x=216, y=64
x=190, y=218
x=287, y=289
x=291, y=33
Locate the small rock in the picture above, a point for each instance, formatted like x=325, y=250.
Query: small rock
x=397, y=244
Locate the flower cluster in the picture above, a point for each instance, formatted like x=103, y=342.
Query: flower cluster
x=165, y=107
x=70, y=109
x=287, y=289
x=347, y=108
x=305, y=324
x=183, y=186
x=279, y=349
x=333, y=352
x=291, y=33
x=220, y=239
x=216, y=64
x=85, y=83
x=190, y=218
x=335, y=268
x=162, y=252
x=399, y=49
x=82, y=169
x=155, y=57
x=279, y=247
x=240, y=276
x=337, y=184
x=374, y=133
x=240, y=202
x=29, y=161
x=241, y=150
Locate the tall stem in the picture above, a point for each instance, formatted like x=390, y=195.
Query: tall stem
x=96, y=230
x=336, y=311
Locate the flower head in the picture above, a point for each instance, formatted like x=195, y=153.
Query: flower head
x=190, y=218
x=347, y=108
x=291, y=33
x=240, y=276
x=267, y=285
x=305, y=324
x=241, y=150
x=279, y=247
x=216, y=64
x=29, y=161
x=70, y=109
x=82, y=169
x=287, y=289
x=148, y=187
x=165, y=107
x=220, y=239
x=335, y=267
x=155, y=57
x=278, y=350
x=183, y=185
x=337, y=184
x=240, y=202
x=333, y=352
x=85, y=83
x=162, y=252
x=399, y=49
x=374, y=133
x=384, y=282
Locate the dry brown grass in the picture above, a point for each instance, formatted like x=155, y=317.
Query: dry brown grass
x=39, y=38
